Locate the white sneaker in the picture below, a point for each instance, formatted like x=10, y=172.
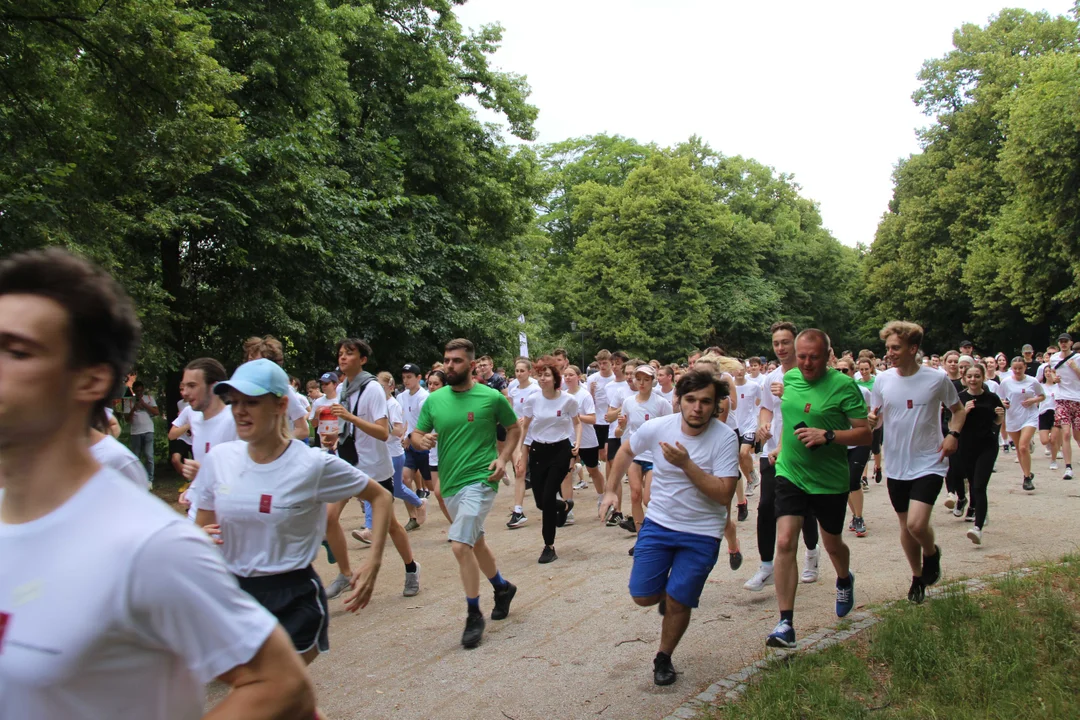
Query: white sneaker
x=950, y=500
x=421, y=512
x=1046, y=452
x=810, y=567
x=763, y=577
x=340, y=585
x=975, y=535
x=1068, y=473
x=1053, y=465
x=569, y=518
x=1016, y=458
x=753, y=484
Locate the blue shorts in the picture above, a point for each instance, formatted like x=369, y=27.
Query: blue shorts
x=646, y=467
x=670, y=561
x=417, y=460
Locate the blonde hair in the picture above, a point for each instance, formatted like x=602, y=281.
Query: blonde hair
x=720, y=363
x=908, y=332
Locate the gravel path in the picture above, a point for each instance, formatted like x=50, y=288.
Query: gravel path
x=575, y=645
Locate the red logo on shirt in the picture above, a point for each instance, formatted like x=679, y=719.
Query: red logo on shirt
x=742, y=395
x=264, y=503
x=910, y=404
x=558, y=413
x=807, y=408
x=471, y=417
x=646, y=416
x=4, y=617
x=207, y=448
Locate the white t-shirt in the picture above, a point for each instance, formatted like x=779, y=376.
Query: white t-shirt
x=746, y=412
x=182, y=406
x=992, y=385
x=374, y=456
x=669, y=395
x=598, y=385
x=1050, y=403
x=396, y=416
x=326, y=423
x=552, y=420
x=157, y=614
x=297, y=408
x=911, y=412
x=273, y=515
x=141, y=422
x=518, y=396
x=866, y=400
x=1068, y=386
x=675, y=502
x=586, y=407
x=305, y=401
x=638, y=413
x=1016, y=392
x=205, y=434
x=112, y=453
x=411, y=403
x=771, y=402
x=616, y=393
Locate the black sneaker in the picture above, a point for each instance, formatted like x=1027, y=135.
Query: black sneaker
x=548, y=555
x=917, y=592
x=744, y=511
x=969, y=516
x=735, y=560
x=628, y=524
x=1028, y=485
x=474, y=630
x=958, y=511
x=931, y=568
x=517, y=520
x=630, y=552
x=560, y=516
x=877, y=474
x=614, y=519
x=663, y=672
x=503, y=598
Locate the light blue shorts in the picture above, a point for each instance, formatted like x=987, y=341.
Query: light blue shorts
x=469, y=509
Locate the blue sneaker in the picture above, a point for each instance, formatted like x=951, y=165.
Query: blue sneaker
x=783, y=636
x=845, y=597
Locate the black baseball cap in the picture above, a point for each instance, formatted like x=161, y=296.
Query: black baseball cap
x=965, y=343
x=328, y=377
x=1064, y=336
x=411, y=368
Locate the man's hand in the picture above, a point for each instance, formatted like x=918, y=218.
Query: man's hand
x=948, y=447
x=811, y=437
x=214, y=531
x=339, y=411
x=872, y=417
x=426, y=441
x=773, y=455
x=363, y=584
x=777, y=389
x=498, y=469
x=763, y=434
x=676, y=455
x=190, y=469
x=607, y=502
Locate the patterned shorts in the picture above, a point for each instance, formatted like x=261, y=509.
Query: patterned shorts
x=1067, y=414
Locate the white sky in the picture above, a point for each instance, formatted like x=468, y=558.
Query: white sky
x=820, y=90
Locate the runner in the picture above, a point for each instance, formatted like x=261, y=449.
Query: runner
x=665, y=383
x=417, y=472
x=180, y=448
x=263, y=498
x=598, y=383
x=270, y=347
x=416, y=506
x=825, y=413
x=465, y=416
x=1021, y=395
x=551, y=419
x=1066, y=365
x=857, y=456
x=1049, y=432
x=696, y=465
x=636, y=410
x=617, y=390
x=589, y=450
x=141, y=430
x=111, y=453
x=908, y=399
x=436, y=379
x=521, y=388
x=746, y=413
x=865, y=379
x=158, y=616
x=978, y=449
x=328, y=426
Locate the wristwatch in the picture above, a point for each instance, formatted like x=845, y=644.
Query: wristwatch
x=954, y=434
x=829, y=437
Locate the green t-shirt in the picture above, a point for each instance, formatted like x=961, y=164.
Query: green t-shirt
x=465, y=422
x=868, y=384
x=828, y=404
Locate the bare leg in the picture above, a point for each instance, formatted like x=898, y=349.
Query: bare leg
x=335, y=536
x=470, y=570
x=439, y=497
x=637, y=490
x=597, y=480
x=1023, y=448
x=855, y=502
x=911, y=546
x=838, y=551
x=485, y=559
x=731, y=534
x=676, y=620
x=400, y=538
x=785, y=567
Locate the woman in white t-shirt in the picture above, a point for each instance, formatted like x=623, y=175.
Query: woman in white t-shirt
x=1049, y=433
x=588, y=451
x=520, y=389
x=1021, y=395
x=551, y=419
x=263, y=497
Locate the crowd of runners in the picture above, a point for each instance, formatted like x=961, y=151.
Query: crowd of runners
x=166, y=603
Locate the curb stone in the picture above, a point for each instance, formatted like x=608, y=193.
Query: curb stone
x=731, y=687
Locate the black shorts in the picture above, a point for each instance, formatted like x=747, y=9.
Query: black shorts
x=830, y=508
x=298, y=601
x=181, y=448
x=613, y=445
x=1046, y=420
x=879, y=435
x=500, y=433
x=590, y=457
x=418, y=460
x=388, y=485
x=924, y=489
x=857, y=457
x=602, y=434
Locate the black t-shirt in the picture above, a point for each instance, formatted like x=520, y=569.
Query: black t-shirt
x=981, y=421
x=496, y=382
x=1033, y=368
x=946, y=414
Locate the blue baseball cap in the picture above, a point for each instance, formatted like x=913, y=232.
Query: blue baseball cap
x=255, y=378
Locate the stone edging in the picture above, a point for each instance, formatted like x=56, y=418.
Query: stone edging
x=731, y=688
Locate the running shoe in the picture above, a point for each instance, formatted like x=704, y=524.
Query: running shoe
x=614, y=519
x=628, y=524
x=474, y=630
x=860, y=527
x=1053, y=465
x=950, y=500
x=503, y=598
x=958, y=511
x=421, y=512
x=969, y=516
x=744, y=511
x=845, y=596
x=411, y=525
x=341, y=584
x=851, y=525
x=865, y=485
x=877, y=475
x=931, y=568
x=560, y=516
x=363, y=535
x=917, y=592
x=548, y=555
x=412, y=582
x=1016, y=459
x=517, y=520
x=1046, y=452
x=782, y=636
x=1005, y=448
x=975, y=535
x=1028, y=485
x=751, y=487
x=663, y=672
x=1068, y=473
x=735, y=560
x=569, y=517
x=763, y=577
x=581, y=485
x=810, y=567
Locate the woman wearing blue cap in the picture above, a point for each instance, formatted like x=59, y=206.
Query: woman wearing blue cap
x=263, y=497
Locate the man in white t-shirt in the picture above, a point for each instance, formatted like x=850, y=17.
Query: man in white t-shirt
x=598, y=383
x=636, y=410
x=616, y=391
x=695, y=468
x=143, y=411
x=907, y=399
x=1066, y=363
x=327, y=425
x=417, y=473
x=158, y=615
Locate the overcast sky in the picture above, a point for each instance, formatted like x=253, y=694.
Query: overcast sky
x=820, y=90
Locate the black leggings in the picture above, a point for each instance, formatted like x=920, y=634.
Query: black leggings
x=954, y=478
x=547, y=464
x=766, y=516
x=857, y=458
x=975, y=461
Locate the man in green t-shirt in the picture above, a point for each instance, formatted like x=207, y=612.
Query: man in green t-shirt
x=462, y=418
x=823, y=413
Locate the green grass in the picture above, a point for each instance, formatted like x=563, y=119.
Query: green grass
x=1009, y=652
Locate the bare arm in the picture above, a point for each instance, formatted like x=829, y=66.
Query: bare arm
x=301, y=429
x=363, y=580
x=273, y=685
x=398, y=430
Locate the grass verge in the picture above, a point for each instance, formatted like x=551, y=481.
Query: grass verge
x=1011, y=651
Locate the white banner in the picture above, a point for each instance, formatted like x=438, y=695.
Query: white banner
x=523, y=340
